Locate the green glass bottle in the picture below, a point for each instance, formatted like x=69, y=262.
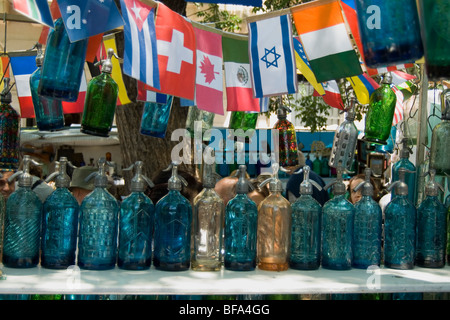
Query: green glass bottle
x=381, y=112
x=246, y=121
x=101, y=100
x=440, y=146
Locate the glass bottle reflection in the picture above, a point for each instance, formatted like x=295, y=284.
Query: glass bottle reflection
x=155, y=118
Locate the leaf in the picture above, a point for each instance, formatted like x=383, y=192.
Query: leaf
x=207, y=69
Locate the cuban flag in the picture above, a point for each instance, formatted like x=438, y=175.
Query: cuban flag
x=140, y=54
x=272, y=57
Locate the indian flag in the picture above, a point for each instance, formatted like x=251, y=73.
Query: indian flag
x=37, y=10
x=325, y=39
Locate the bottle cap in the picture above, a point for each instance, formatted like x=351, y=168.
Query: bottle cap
x=107, y=65
x=62, y=179
x=406, y=151
x=24, y=176
x=6, y=97
x=367, y=187
x=210, y=176
x=275, y=184
x=243, y=185
x=387, y=78
x=176, y=181
x=139, y=181
x=445, y=104
x=39, y=54
x=401, y=188
x=350, y=111
x=100, y=178
x=432, y=187
x=338, y=184
x=306, y=186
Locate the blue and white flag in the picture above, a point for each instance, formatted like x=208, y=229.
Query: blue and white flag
x=140, y=53
x=272, y=58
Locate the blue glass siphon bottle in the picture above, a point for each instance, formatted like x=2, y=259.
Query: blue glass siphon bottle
x=306, y=226
x=23, y=219
x=411, y=172
x=136, y=224
x=241, y=220
x=99, y=210
x=173, y=221
x=338, y=216
x=155, y=118
x=60, y=222
x=399, y=227
x=367, y=229
x=431, y=227
x=9, y=131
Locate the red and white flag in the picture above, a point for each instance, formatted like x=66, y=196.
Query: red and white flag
x=209, y=76
x=398, y=114
x=332, y=95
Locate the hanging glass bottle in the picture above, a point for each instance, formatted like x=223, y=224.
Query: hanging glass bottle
x=345, y=139
x=207, y=224
x=136, y=224
x=173, y=221
x=367, y=227
x=306, y=221
x=381, y=111
x=23, y=218
x=440, y=139
x=399, y=227
x=243, y=123
x=99, y=210
x=155, y=118
x=63, y=65
x=206, y=119
x=241, y=219
x=60, y=222
x=422, y=178
x=410, y=175
x=390, y=32
x=2, y=220
x=431, y=228
x=48, y=112
x=274, y=227
x=337, y=227
x=9, y=131
x=287, y=139
x=435, y=21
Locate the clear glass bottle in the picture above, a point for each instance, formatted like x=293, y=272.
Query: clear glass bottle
x=390, y=32
x=207, y=224
x=48, y=112
x=173, y=222
x=155, y=118
x=287, y=139
x=136, y=224
x=241, y=220
x=338, y=216
x=411, y=172
x=23, y=219
x=9, y=131
x=399, y=227
x=99, y=211
x=274, y=227
x=101, y=100
x=381, y=111
x=306, y=226
x=367, y=228
x=440, y=139
x=63, y=65
x=204, y=117
x=60, y=222
x=431, y=228
x=422, y=178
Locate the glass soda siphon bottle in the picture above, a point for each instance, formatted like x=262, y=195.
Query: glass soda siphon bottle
x=2, y=220
x=338, y=216
x=9, y=131
x=99, y=210
x=60, y=222
x=136, y=224
x=306, y=226
x=411, y=172
x=287, y=139
x=243, y=122
x=241, y=221
x=381, y=111
x=173, y=222
x=367, y=229
x=48, y=112
x=399, y=227
x=101, y=100
x=207, y=224
x=440, y=143
x=63, y=65
x=23, y=219
x=274, y=226
x=155, y=118
x=431, y=227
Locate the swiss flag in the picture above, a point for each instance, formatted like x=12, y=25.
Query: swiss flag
x=176, y=53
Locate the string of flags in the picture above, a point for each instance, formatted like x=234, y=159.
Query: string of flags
x=169, y=54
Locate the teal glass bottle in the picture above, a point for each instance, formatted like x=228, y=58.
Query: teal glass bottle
x=2, y=221
x=63, y=65
x=431, y=228
x=60, y=222
x=400, y=227
x=241, y=219
x=99, y=211
x=48, y=112
x=390, y=32
x=381, y=111
x=9, y=131
x=101, y=100
x=411, y=171
x=173, y=222
x=338, y=216
x=440, y=139
x=367, y=229
x=23, y=219
x=306, y=226
x=136, y=224
x=155, y=118
x=287, y=138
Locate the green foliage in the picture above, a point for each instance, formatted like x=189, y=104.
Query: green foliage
x=222, y=19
